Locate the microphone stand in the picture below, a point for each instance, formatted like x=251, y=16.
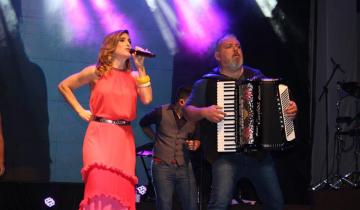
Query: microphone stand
x=325, y=183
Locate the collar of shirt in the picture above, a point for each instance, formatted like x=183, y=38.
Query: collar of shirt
x=180, y=122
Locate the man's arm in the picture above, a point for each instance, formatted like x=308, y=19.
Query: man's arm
x=196, y=108
x=151, y=118
x=149, y=132
x=193, y=113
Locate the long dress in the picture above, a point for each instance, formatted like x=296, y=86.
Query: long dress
x=108, y=149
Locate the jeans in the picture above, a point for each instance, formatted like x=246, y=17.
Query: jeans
x=168, y=178
x=229, y=168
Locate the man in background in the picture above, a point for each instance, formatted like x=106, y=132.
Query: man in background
x=174, y=140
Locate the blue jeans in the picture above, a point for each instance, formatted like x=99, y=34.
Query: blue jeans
x=229, y=168
x=168, y=178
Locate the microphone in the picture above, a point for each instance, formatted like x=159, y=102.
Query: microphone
x=145, y=53
x=337, y=65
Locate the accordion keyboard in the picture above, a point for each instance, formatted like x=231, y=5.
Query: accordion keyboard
x=226, y=134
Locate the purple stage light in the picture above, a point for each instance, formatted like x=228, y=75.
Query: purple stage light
x=78, y=21
x=200, y=24
x=110, y=19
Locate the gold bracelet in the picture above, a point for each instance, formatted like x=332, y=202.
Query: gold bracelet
x=143, y=80
x=144, y=85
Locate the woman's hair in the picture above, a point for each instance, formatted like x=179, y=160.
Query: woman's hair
x=107, y=50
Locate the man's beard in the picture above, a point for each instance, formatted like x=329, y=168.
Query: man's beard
x=235, y=64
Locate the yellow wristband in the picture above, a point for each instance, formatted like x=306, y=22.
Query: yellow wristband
x=148, y=84
x=143, y=80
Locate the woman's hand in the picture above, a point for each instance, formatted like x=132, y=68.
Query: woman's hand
x=85, y=115
x=145, y=92
x=139, y=62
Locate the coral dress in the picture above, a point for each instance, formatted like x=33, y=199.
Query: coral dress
x=109, y=150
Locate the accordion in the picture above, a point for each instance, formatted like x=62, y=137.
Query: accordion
x=255, y=116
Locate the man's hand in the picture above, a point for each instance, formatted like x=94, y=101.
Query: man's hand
x=292, y=110
x=213, y=113
x=2, y=169
x=192, y=144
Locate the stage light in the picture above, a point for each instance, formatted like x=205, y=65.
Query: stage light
x=141, y=189
x=11, y=20
x=277, y=19
x=73, y=19
x=189, y=20
x=166, y=21
x=267, y=6
x=77, y=19
x=110, y=18
x=195, y=20
x=53, y=7
x=168, y=13
x=49, y=202
x=151, y=4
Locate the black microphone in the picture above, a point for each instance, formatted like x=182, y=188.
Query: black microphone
x=337, y=65
x=145, y=53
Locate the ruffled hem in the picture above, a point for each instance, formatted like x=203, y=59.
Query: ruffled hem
x=84, y=172
x=87, y=201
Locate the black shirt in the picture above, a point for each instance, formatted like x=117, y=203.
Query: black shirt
x=204, y=94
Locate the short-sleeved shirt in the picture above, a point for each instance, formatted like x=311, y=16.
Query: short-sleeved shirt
x=203, y=95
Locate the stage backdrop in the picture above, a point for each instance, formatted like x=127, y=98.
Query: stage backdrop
x=42, y=42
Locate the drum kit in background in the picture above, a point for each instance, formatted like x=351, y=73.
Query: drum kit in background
x=347, y=132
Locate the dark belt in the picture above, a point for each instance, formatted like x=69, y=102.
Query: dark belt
x=116, y=122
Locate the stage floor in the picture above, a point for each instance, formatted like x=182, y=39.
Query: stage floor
x=67, y=196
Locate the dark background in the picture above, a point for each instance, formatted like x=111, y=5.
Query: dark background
x=278, y=52
x=285, y=57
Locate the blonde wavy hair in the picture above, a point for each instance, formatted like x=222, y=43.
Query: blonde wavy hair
x=105, y=57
